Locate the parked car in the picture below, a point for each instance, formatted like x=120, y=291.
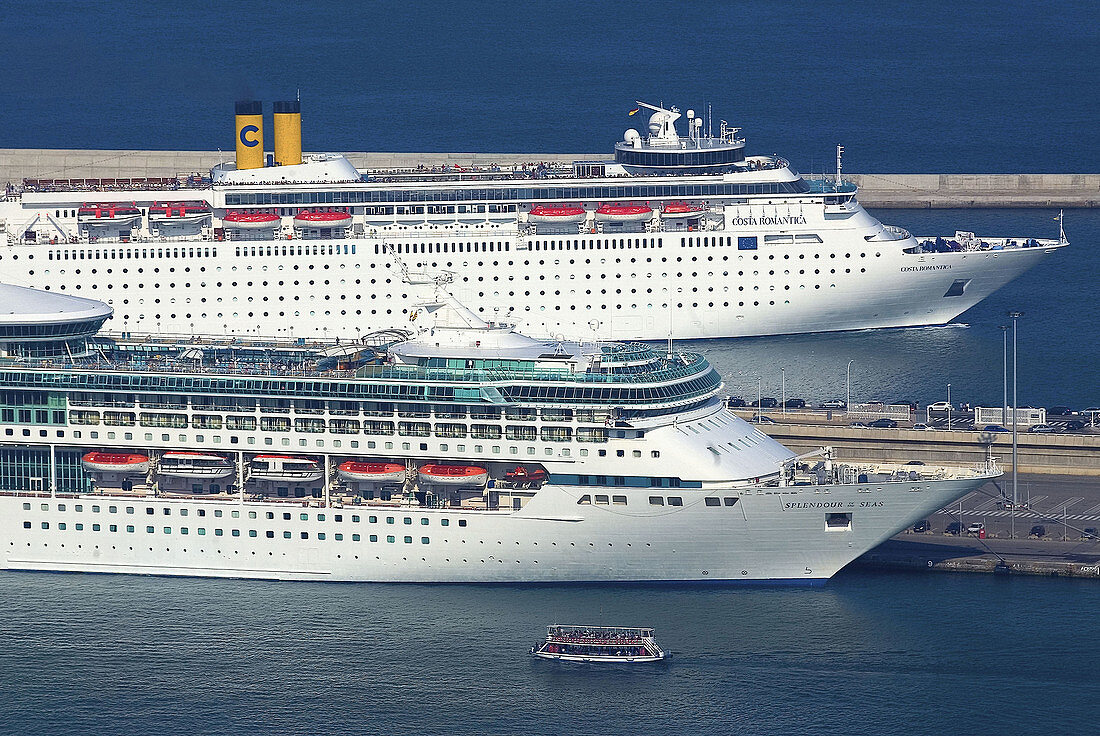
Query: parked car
x=763, y=419
x=884, y=423
x=976, y=528
x=1038, y=531
x=1074, y=425
x=921, y=426
x=1006, y=503
x=941, y=407
x=1091, y=533
x=833, y=404
x=1060, y=411
x=1041, y=429
x=922, y=526
x=769, y=403
x=994, y=428
x=915, y=462
x=954, y=527
x=795, y=403
x=735, y=402
x=858, y=424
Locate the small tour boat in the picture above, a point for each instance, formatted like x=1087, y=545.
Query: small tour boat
x=599, y=644
x=453, y=475
x=194, y=465
x=322, y=218
x=549, y=214
x=115, y=462
x=624, y=212
x=521, y=477
x=363, y=472
x=179, y=213
x=682, y=211
x=284, y=468
x=250, y=220
x=116, y=214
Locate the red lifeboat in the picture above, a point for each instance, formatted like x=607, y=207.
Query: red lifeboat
x=179, y=213
x=523, y=477
x=682, y=210
x=556, y=213
x=127, y=463
x=624, y=212
x=362, y=472
x=118, y=214
x=322, y=218
x=453, y=475
x=251, y=220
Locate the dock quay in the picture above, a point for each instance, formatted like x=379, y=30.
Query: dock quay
x=888, y=191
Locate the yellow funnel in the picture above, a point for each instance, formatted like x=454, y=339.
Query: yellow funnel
x=288, y=133
x=250, y=135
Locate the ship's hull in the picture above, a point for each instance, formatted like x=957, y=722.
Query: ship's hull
x=769, y=534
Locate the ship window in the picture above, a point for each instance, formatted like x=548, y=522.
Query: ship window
x=408, y=540
x=838, y=522
x=286, y=535
x=601, y=499
x=675, y=501
x=618, y=500
x=462, y=522
x=584, y=499
x=373, y=537
x=270, y=535
x=656, y=501
x=729, y=501
x=390, y=538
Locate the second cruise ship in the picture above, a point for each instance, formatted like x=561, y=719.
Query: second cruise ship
x=680, y=232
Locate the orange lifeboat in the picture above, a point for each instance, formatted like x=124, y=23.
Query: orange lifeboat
x=178, y=213
x=322, y=218
x=453, y=475
x=251, y=220
x=116, y=214
x=357, y=471
x=522, y=477
x=126, y=463
x=624, y=212
x=681, y=210
x=556, y=213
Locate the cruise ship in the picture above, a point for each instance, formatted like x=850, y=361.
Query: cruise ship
x=457, y=450
x=677, y=232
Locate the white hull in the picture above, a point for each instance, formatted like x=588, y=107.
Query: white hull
x=596, y=291
x=610, y=660
x=769, y=535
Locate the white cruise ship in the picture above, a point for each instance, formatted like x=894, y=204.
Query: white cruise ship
x=462, y=452
x=677, y=233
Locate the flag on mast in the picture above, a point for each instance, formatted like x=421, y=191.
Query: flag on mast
x=634, y=111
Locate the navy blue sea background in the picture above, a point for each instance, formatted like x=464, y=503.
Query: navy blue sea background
x=906, y=87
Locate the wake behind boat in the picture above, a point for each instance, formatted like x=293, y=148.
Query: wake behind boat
x=618, y=644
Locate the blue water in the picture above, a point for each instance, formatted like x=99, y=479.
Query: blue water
x=907, y=87
x=867, y=654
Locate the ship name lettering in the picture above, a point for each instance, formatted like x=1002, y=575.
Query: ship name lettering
x=871, y=504
x=743, y=221
x=813, y=505
x=936, y=267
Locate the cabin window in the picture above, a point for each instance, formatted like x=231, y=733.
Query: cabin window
x=585, y=499
x=601, y=499
x=656, y=501
x=710, y=501
x=618, y=500
x=675, y=501
x=729, y=501
x=838, y=522
x=462, y=522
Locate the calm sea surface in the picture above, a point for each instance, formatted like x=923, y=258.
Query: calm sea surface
x=914, y=87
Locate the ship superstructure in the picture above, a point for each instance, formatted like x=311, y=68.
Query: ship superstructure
x=677, y=233
x=458, y=451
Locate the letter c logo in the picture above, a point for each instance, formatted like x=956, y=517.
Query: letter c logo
x=246, y=130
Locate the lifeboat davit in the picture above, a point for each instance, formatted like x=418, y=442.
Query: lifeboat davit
x=322, y=218
x=521, y=476
x=126, y=463
x=624, y=212
x=251, y=220
x=355, y=470
x=284, y=468
x=556, y=214
x=681, y=211
x=453, y=475
x=178, y=213
x=194, y=465
x=116, y=214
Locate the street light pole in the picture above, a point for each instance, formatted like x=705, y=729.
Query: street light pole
x=949, y=407
x=783, y=388
x=1004, y=363
x=848, y=400
x=1015, y=421
x=759, y=394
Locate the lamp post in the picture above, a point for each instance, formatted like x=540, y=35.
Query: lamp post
x=783, y=388
x=1004, y=401
x=848, y=381
x=949, y=412
x=1015, y=409
x=759, y=396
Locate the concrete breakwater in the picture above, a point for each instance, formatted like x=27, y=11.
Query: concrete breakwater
x=877, y=190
